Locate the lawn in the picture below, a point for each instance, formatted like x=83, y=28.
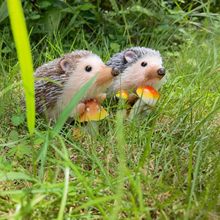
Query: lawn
x=165, y=165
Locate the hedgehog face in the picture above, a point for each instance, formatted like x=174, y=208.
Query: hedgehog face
x=80, y=71
x=84, y=67
x=140, y=71
x=89, y=67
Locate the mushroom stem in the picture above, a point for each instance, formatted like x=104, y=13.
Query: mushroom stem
x=92, y=128
x=136, y=109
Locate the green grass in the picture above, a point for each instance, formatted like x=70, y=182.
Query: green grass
x=163, y=166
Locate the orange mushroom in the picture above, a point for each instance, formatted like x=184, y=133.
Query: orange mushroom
x=94, y=111
x=148, y=94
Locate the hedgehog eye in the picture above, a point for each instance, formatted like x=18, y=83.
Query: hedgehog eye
x=88, y=68
x=144, y=64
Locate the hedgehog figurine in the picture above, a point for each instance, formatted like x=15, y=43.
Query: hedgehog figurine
x=57, y=82
x=137, y=66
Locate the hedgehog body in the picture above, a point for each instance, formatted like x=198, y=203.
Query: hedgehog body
x=137, y=66
x=57, y=81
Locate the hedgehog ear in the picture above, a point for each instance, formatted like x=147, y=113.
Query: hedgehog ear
x=129, y=56
x=65, y=64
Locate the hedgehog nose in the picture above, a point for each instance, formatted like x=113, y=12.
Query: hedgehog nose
x=115, y=72
x=161, y=72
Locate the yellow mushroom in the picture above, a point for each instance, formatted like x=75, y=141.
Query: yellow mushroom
x=148, y=94
x=122, y=94
x=94, y=112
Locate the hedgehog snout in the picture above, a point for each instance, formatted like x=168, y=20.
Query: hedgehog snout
x=154, y=72
x=115, y=71
x=161, y=72
x=105, y=75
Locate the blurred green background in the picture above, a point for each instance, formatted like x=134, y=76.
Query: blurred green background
x=158, y=24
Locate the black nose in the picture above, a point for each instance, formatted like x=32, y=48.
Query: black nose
x=161, y=72
x=115, y=71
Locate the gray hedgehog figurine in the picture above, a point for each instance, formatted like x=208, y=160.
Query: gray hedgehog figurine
x=58, y=81
x=137, y=66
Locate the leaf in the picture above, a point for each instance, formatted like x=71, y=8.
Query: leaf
x=10, y=87
x=114, y=5
x=17, y=120
x=5, y=164
x=115, y=47
x=142, y=10
x=85, y=7
x=52, y=20
x=34, y=17
x=14, y=176
x=20, y=150
x=44, y=4
x=19, y=31
x=13, y=135
x=3, y=11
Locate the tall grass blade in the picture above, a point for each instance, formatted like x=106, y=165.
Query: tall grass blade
x=95, y=202
x=15, y=176
x=65, y=193
x=114, y=5
x=8, y=88
x=79, y=174
x=147, y=149
x=122, y=168
x=43, y=155
x=74, y=101
x=20, y=34
x=195, y=177
x=3, y=11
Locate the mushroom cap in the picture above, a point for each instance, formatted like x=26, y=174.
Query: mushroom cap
x=148, y=94
x=94, y=112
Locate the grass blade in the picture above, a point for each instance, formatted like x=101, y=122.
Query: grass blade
x=3, y=11
x=20, y=34
x=95, y=202
x=8, y=88
x=74, y=101
x=195, y=177
x=15, y=176
x=65, y=192
x=147, y=149
x=122, y=168
x=42, y=156
x=114, y=5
